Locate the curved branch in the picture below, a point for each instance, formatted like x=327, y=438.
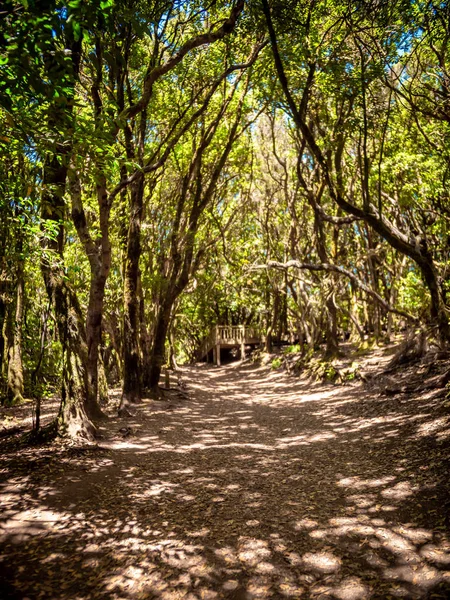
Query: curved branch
x=201, y=40
x=154, y=166
x=273, y=264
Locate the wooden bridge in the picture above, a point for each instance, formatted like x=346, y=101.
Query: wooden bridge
x=228, y=336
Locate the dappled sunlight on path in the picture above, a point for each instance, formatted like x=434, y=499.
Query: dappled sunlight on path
x=257, y=486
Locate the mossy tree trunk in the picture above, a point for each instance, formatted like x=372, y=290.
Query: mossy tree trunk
x=158, y=354
x=99, y=256
x=132, y=384
x=72, y=419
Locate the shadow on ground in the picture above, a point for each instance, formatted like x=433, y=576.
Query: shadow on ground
x=257, y=486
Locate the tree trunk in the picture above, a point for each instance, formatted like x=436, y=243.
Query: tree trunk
x=439, y=310
x=275, y=313
x=102, y=382
x=374, y=277
x=268, y=340
x=99, y=256
x=94, y=338
x=144, y=339
x=131, y=393
x=42, y=339
x=111, y=326
x=283, y=315
x=172, y=357
x=3, y=316
x=15, y=366
x=73, y=419
x=332, y=346
x=158, y=355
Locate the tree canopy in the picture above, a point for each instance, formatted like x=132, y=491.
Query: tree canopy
x=169, y=166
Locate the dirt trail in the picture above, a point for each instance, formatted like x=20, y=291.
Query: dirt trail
x=256, y=486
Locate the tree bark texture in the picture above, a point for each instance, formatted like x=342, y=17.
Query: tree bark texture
x=159, y=341
x=99, y=256
x=15, y=365
x=132, y=384
x=73, y=419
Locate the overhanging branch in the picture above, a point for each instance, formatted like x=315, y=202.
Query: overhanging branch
x=296, y=264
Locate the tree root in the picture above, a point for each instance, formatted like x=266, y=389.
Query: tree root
x=435, y=383
x=44, y=434
x=411, y=350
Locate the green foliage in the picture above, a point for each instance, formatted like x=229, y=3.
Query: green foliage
x=294, y=349
x=376, y=105
x=323, y=369
x=276, y=363
x=351, y=373
x=413, y=296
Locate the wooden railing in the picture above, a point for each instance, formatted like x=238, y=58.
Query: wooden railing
x=207, y=344
x=238, y=333
x=228, y=335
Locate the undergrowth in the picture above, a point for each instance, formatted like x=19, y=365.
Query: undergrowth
x=314, y=365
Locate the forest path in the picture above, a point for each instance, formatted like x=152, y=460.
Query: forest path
x=256, y=486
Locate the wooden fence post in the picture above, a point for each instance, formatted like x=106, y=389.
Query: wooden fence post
x=218, y=355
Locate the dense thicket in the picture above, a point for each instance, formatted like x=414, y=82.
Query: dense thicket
x=167, y=166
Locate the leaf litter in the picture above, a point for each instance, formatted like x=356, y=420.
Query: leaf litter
x=254, y=485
